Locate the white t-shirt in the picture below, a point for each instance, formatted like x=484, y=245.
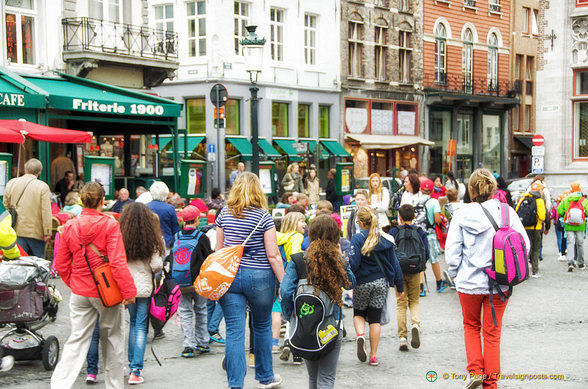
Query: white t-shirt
x=410, y=198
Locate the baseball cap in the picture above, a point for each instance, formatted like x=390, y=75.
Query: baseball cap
x=427, y=184
x=201, y=205
x=575, y=187
x=189, y=213
x=537, y=186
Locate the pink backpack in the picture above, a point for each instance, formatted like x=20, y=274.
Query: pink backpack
x=510, y=265
x=500, y=195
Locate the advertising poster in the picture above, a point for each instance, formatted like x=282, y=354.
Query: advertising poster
x=3, y=176
x=345, y=181
x=345, y=213
x=194, y=180
x=265, y=177
x=102, y=173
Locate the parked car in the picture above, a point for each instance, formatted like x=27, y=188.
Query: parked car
x=517, y=187
x=393, y=184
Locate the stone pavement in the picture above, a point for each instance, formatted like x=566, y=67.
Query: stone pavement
x=544, y=333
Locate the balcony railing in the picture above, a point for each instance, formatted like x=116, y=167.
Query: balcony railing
x=457, y=83
x=118, y=38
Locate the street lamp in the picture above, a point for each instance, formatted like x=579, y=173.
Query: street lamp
x=253, y=50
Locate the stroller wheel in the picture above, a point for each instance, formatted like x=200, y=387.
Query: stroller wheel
x=50, y=353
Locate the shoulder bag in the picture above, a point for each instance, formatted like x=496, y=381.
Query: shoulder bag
x=106, y=285
x=12, y=210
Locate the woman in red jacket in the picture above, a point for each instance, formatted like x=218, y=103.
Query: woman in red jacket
x=91, y=226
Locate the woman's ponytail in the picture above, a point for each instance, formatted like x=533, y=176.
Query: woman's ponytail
x=367, y=216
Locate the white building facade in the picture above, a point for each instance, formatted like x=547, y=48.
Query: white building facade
x=562, y=94
x=299, y=83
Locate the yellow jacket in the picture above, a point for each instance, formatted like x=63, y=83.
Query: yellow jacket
x=8, y=237
x=541, y=212
x=292, y=242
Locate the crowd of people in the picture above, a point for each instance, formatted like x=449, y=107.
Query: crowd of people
x=385, y=243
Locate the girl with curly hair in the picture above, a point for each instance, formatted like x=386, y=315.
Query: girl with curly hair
x=145, y=248
x=327, y=271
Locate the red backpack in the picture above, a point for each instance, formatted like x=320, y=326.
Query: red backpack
x=575, y=215
x=441, y=231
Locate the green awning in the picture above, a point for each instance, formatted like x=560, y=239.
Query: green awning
x=82, y=95
x=242, y=145
x=335, y=148
x=312, y=145
x=286, y=145
x=16, y=92
x=268, y=149
x=193, y=142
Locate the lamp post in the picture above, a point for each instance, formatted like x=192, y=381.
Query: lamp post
x=253, y=50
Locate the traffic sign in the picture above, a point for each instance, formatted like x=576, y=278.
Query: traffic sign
x=219, y=113
x=300, y=147
x=212, y=157
x=538, y=150
x=537, y=164
x=211, y=148
x=219, y=95
x=538, y=140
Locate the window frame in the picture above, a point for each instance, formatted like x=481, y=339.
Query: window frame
x=525, y=22
x=493, y=62
x=229, y=115
x=165, y=21
x=201, y=99
x=441, y=54
x=321, y=118
x=241, y=21
x=355, y=47
x=405, y=55
x=404, y=5
x=380, y=52
x=310, y=39
x=307, y=116
x=277, y=33
x=197, y=38
x=19, y=13
x=467, y=61
x=286, y=121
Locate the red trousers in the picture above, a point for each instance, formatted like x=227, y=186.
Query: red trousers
x=477, y=315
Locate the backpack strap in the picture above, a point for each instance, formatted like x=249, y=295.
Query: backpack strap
x=489, y=216
x=377, y=258
x=300, y=264
x=505, y=215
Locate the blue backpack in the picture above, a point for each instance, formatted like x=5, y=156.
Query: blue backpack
x=181, y=265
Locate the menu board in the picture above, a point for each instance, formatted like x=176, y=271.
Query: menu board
x=3, y=176
x=102, y=174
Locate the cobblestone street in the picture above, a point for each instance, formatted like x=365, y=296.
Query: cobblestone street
x=544, y=333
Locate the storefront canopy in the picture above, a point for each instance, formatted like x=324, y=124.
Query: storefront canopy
x=192, y=140
x=312, y=148
x=16, y=92
x=335, y=148
x=242, y=145
x=45, y=133
x=387, y=142
x=86, y=96
x=526, y=140
x=268, y=149
x=286, y=145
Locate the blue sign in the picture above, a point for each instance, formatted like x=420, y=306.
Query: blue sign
x=212, y=148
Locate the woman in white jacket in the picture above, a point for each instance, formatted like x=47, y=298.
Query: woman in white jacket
x=145, y=248
x=468, y=252
x=379, y=200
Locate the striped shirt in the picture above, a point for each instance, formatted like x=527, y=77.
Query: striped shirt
x=236, y=231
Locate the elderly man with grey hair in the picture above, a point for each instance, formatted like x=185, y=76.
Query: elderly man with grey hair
x=168, y=219
x=31, y=198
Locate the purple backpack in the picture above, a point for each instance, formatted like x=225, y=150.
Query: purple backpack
x=510, y=265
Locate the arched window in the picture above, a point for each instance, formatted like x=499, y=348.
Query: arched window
x=441, y=54
x=493, y=63
x=467, y=59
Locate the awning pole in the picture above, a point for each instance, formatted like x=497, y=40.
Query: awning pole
x=176, y=143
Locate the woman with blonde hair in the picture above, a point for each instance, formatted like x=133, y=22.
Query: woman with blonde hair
x=468, y=253
x=292, y=181
x=84, y=240
x=374, y=263
x=255, y=282
x=72, y=203
x=379, y=198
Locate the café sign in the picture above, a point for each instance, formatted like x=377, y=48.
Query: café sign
x=114, y=107
x=12, y=99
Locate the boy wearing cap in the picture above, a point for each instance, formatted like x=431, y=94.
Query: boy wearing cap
x=432, y=216
x=193, y=244
x=574, y=228
x=535, y=230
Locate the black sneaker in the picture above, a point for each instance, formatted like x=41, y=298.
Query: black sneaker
x=297, y=360
x=188, y=352
x=159, y=335
x=571, y=268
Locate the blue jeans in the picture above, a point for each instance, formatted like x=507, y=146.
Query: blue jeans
x=139, y=314
x=93, y=352
x=215, y=315
x=32, y=246
x=258, y=289
x=561, y=239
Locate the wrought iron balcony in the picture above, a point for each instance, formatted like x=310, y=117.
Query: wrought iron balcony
x=457, y=83
x=87, y=34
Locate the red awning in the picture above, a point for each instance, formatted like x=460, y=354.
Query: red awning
x=45, y=133
x=10, y=136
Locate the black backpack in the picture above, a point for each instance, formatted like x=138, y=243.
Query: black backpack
x=313, y=329
x=410, y=250
x=421, y=218
x=527, y=211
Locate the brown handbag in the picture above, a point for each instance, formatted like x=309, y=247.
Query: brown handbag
x=106, y=285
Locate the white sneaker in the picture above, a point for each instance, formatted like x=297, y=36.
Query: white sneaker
x=6, y=363
x=562, y=258
x=276, y=383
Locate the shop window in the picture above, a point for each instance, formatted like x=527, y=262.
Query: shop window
x=382, y=115
x=491, y=142
x=355, y=48
x=303, y=120
x=277, y=34
x=440, y=133
x=279, y=119
x=310, y=27
x=324, y=131
x=380, y=52
x=20, y=26
x=441, y=55
x=196, y=14
x=356, y=116
x=233, y=117
x=464, y=134
x=196, y=116
x=581, y=130
x=241, y=19
x=407, y=119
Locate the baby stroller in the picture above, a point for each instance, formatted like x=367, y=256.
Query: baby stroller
x=27, y=304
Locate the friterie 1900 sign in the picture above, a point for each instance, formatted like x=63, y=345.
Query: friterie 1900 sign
x=117, y=108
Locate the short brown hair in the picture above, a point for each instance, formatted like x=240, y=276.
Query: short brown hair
x=406, y=212
x=452, y=195
x=324, y=204
x=92, y=194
